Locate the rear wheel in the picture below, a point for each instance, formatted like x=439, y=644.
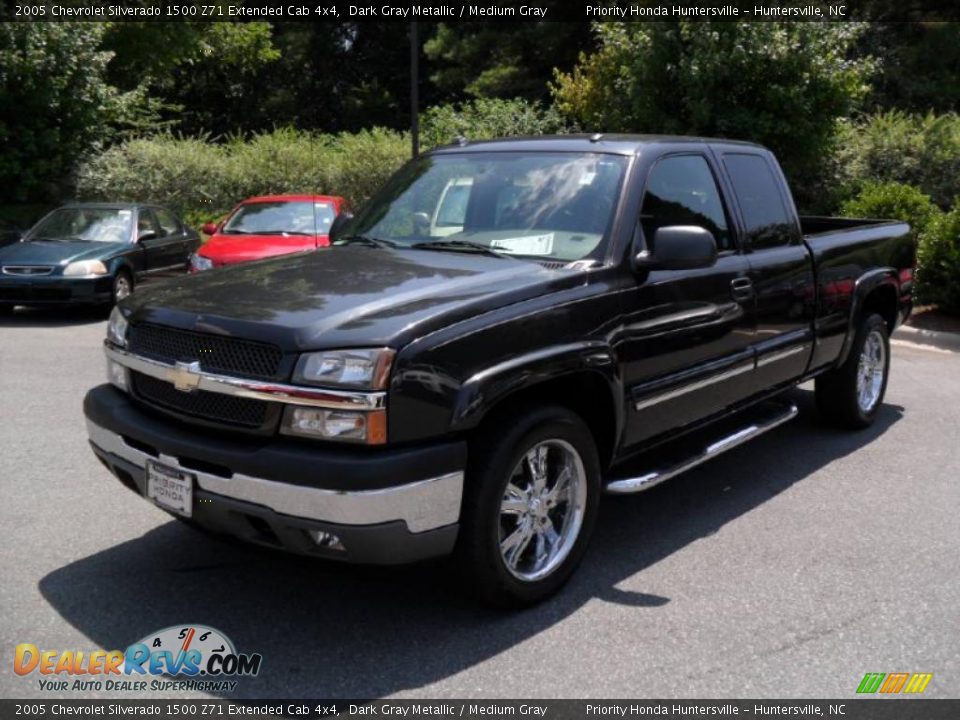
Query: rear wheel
x=851, y=395
x=530, y=505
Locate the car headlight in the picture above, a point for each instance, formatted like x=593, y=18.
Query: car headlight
x=85, y=267
x=199, y=262
x=369, y=427
x=367, y=369
x=117, y=328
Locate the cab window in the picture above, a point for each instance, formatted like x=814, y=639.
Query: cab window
x=681, y=190
x=768, y=223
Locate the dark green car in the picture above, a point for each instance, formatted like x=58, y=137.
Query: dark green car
x=93, y=253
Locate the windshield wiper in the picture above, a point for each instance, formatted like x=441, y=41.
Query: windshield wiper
x=55, y=239
x=365, y=240
x=458, y=246
x=280, y=232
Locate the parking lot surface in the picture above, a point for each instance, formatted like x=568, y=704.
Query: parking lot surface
x=789, y=567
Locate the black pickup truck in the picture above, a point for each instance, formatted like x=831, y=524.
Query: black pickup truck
x=507, y=330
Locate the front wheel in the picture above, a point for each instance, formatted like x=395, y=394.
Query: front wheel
x=122, y=286
x=530, y=505
x=851, y=395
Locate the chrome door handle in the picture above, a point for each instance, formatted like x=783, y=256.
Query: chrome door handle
x=741, y=288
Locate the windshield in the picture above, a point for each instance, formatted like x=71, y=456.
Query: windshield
x=546, y=206
x=91, y=224
x=295, y=217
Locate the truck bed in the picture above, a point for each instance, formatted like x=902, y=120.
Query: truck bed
x=820, y=224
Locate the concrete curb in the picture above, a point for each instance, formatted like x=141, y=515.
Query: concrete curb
x=943, y=340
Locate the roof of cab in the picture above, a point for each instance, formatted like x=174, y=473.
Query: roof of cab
x=598, y=142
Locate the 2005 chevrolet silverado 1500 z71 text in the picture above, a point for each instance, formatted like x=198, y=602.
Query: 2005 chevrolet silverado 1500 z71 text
x=505, y=330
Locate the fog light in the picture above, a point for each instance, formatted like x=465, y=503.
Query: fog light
x=350, y=425
x=117, y=375
x=326, y=540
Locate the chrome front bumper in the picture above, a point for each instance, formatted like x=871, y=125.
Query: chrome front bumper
x=423, y=506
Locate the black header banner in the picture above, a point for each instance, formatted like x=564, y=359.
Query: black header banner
x=535, y=11
x=842, y=709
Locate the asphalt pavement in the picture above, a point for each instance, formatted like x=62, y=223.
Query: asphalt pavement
x=789, y=567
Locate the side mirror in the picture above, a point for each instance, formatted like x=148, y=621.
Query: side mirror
x=209, y=228
x=146, y=235
x=679, y=247
x=339, y=222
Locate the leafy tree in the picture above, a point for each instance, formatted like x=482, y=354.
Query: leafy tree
x=920, y=65
x=55, y=104
x=484, y=59
x=196, y=71
x=784, y=85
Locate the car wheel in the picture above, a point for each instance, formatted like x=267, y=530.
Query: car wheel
x=6, y=308
x=530, y=505
x=122, y=286
x=851, y=395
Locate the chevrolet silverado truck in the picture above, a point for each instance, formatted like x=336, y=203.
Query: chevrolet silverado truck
x=607, y=312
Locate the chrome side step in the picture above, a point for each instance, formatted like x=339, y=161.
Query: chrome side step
x=778, y=416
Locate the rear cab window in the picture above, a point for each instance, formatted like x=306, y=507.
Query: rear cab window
x=767, y=219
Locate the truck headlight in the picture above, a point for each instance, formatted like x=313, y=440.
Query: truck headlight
x=85, y=268
x=117, y=328
x=198, y=262
x=350, y=425
x=367, y=369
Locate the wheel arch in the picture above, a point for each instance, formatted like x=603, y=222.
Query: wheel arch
x=583, y=378
x=877, y=291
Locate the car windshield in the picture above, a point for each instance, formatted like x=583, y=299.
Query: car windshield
x=90, y=224
x=540, y=205
x=293, y=217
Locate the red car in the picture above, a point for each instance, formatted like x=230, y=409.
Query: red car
x=261, y=227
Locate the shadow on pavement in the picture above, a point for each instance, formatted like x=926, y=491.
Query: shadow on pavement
x=53, y=316
x=326, y=630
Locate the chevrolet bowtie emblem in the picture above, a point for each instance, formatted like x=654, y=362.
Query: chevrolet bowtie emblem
x=185, y=376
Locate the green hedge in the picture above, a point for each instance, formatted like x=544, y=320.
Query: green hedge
x=938, y=273
x=937, y=235
x=894, y=201
x=489, y=118
x=203, y=180
x=919, y=150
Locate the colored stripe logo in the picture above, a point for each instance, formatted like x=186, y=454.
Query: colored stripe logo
x=894, y=683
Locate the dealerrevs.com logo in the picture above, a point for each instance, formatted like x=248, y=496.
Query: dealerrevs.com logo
x=196, y=657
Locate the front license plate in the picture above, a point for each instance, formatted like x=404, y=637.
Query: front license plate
x=170, y=489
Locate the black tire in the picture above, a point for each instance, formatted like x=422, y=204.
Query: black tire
x=6, y=308
x=122, y=286
x=494, y=455
x=837, y=391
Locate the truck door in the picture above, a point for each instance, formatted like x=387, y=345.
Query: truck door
x=781, y=267
x=687, y=335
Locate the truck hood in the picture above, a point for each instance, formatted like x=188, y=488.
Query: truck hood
x=46, y=252
x=231, y=249
x=345, y=296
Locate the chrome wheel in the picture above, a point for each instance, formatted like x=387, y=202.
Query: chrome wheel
x=121, y=288
x=542, y=509
x=870, y=371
